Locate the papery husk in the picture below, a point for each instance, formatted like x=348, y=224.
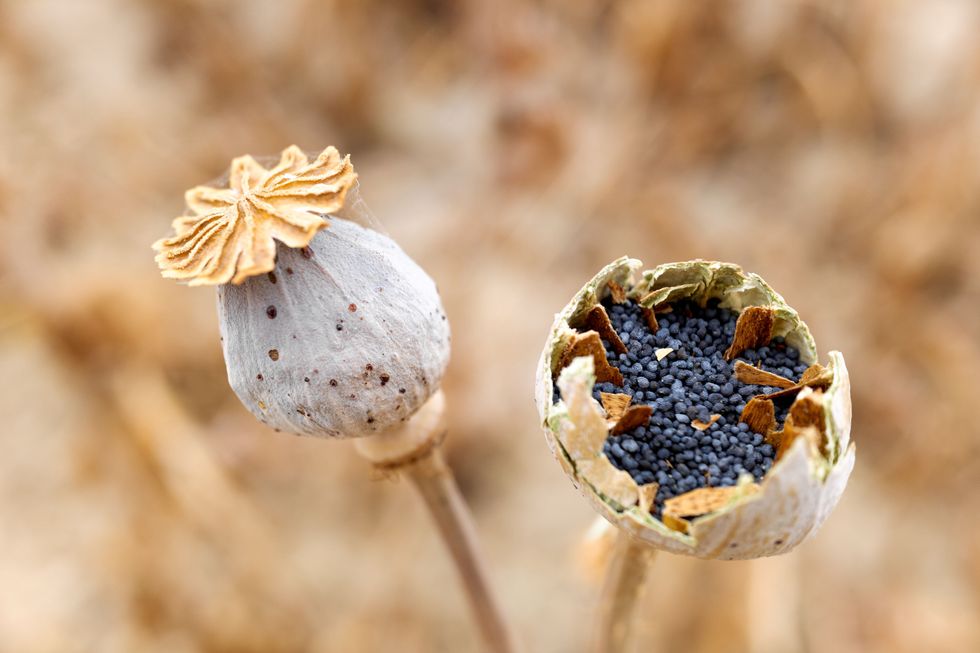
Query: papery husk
x=793, y=499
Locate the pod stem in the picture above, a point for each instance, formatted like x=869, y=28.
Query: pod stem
x=414, y=450
x=620, y=591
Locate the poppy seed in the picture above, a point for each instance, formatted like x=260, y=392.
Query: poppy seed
x=691, y=383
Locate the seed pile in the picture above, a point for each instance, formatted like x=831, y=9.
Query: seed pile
x=693, y=382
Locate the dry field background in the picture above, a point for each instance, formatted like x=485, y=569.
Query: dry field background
x=512, y=148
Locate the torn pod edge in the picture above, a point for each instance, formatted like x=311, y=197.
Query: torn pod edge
x=795, y=496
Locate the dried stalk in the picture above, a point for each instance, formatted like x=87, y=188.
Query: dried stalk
x=620, y=592
x=414, y=450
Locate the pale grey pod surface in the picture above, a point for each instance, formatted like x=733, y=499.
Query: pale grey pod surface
x=347, y=337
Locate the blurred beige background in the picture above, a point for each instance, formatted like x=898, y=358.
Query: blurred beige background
x=512, y=148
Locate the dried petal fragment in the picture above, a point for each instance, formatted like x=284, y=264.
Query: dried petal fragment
x=817, y=376
x=760, y=415
x=617, y=292
x=704, y=426
x=633, y=417
x=753, y=329
x=663, y=353
x=232, y=232
x=648, y=493
x=589, y=344
x=679, y=510
x=598, y=320
x=651, y=318
x=752, y=375
x=806, y=413
x=615, y=404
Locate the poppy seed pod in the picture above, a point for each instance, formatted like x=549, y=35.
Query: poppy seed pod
x=328, y=328
x=687, y=404
x=346, y=337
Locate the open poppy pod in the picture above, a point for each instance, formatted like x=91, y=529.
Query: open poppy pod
x=689, y=407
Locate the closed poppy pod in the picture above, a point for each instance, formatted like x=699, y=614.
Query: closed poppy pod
x=687, y=404
x=345, y=337
x=328, y=327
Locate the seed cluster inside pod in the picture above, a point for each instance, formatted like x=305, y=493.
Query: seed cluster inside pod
x=704, y=395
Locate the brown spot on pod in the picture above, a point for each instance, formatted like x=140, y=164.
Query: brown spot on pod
x=289, y=270
x=306, y=379
x=271, y=312
x=272, y=277
x=258, y=376
x=370, y=420
x=369, y=367
x=385, y=378
x=274, y=354
x=401, y=391
x=306, y=252
x=333, y=382
x=340, y=327
x=352, y=308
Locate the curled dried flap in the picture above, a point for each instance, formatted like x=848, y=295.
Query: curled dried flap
x=651, y=318
x=806, y=417
x=617, y=292
x=704, y=426
x=648, y=493
x=615, y=404
x=753, y=329
x=598, y=320
x=231, y=232
x=589, y=344
x=817, y=376
x=633, y=417
x=752, y=375
x=760, y=414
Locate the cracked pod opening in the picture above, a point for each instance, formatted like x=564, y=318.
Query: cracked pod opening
x=690, y=395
